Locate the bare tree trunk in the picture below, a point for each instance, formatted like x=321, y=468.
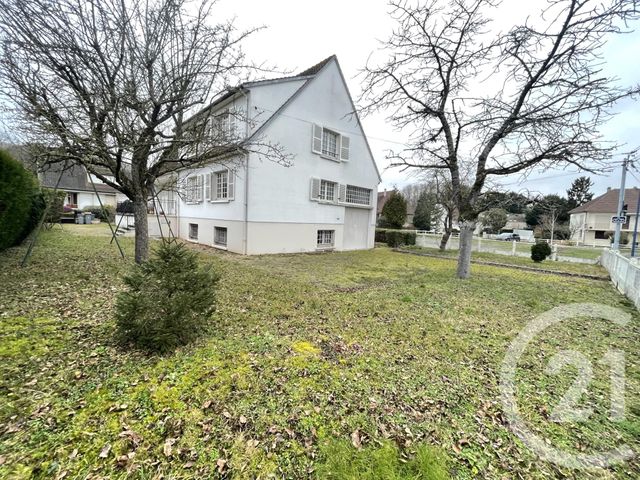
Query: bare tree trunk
x=448, y=228
x=464, y=258
x=444, y=240
x=142, y=229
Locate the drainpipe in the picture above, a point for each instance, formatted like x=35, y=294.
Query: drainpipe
x=245, y=233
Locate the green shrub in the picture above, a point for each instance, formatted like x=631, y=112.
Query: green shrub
x=19, y=194
x=397, y=238
x=340, y=461
x=168, y=301
x=55, y=200
x=99, y=213
x=540, y=251
x=394, y=211
x=381, y=235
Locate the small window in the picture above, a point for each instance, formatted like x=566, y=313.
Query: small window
x=220, y=236
x=601, y=235
x=327, y=190
x=325, y=238
x=358, y=195
x=193, y=231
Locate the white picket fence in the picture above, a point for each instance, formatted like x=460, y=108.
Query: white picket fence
x=480, y=244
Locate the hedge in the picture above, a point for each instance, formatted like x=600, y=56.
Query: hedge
x=21, y=203
x=396, y=238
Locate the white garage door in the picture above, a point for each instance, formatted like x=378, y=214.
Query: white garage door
x=356, y=228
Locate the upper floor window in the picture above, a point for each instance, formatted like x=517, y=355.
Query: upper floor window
x=193, y=192
x=222, y=126
x=358, y=195
x=330, y=144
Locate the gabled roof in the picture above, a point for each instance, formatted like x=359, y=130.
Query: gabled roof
x=308, y=75
x=232, y=91
x=311, y=73
x=608, y=203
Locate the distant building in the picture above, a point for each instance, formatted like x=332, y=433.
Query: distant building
x=591, y=223
x=75, y=180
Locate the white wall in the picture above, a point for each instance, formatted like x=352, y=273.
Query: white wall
x=86, y=199
x=625, y=274
x=325, y=101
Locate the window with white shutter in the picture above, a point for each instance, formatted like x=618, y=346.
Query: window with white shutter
x=222, y=185
x=344, y=148
x=327, y=191
x=315, y=189
x=330, y=144
x=316, y=144
x=207, y=187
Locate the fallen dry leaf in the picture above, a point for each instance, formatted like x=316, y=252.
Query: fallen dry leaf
x=168, y=444
x=221, y=463
x=355, y=439
x=104, y=453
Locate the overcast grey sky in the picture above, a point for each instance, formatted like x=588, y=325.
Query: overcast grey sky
x=300, y=34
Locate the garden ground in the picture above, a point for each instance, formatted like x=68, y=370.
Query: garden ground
x=366, y=364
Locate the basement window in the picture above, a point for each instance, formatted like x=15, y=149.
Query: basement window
x=193, y=231
x=325, y=238
x=220, y=236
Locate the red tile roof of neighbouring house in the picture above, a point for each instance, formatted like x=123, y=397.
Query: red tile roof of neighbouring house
x=608, y=203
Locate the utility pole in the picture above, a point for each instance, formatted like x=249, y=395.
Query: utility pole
x=553, y=223
x=616, y=237
x=635, y=229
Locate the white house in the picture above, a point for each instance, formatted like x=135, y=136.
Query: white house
x=591, y=223
x=325, y=200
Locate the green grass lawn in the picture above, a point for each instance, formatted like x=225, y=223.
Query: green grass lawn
x=354, y=365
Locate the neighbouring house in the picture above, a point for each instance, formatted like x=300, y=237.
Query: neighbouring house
x=325, y=201
x=591, y=223
x=75, y=181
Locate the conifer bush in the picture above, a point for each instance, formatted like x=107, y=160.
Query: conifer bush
x=168, y=301
x=540, y=251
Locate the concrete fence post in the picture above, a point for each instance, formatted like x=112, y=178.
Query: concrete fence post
x=513, y=248
x=554, y=253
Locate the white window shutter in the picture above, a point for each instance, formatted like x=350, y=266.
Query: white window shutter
x=316, y=144
x=207, y=187
x=214, y=186
x=345, y=142
x=342, y=195
x=231, y=185
x=315, y=188
x=200, y=187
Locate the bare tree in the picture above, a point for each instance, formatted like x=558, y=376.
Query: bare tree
x=445, y=197
x=483, y=105
x=111, y=85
